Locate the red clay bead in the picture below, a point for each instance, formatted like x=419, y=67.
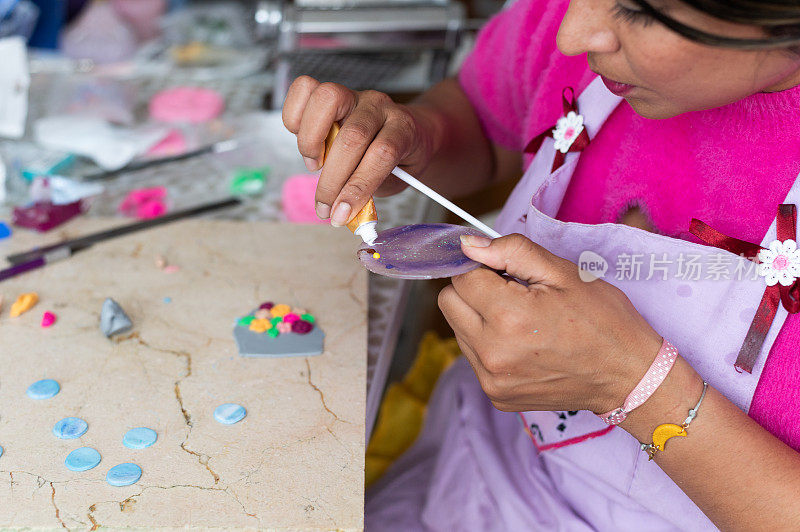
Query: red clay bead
x=301, y=327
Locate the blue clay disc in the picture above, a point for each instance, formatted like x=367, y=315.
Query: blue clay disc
x=82, y=459
x=43, y=389
x=139, y=438
x=229, y=413
x=1, y=450
x=70, y=428
x=124, y=474
x=5, y=230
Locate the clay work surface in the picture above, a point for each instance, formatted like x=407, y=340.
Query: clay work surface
x=296, y=462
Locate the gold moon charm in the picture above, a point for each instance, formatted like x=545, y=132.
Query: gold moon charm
x=665, y=432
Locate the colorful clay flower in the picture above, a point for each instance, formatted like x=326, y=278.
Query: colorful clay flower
x=780, y=263
x=284, y=327
x=262, y=314
x=245, y=321
x=267, y=305
x=291, y=318
x=301, y=327
x=307, y=317
x=280, y=310
x=260, y=326
x=567, y=130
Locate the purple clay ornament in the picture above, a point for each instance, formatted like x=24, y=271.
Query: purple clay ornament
x=424, y=251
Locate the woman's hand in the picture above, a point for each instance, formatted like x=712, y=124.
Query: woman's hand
x=558, y=344
x=376, y=135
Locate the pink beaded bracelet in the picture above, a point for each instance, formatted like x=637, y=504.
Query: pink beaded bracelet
x=655, y=375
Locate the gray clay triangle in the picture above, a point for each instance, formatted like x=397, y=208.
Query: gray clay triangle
x=113, y=319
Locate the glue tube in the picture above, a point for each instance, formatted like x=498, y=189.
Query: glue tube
x=366, y=220
x=364, y=223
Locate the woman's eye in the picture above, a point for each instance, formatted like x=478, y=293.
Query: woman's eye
x=631, y=15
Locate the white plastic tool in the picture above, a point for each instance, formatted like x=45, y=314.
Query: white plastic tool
x=444, y=202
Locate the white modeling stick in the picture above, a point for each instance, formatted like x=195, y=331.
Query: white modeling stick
x=447, y=204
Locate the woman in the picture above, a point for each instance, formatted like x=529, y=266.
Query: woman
x=694, y=116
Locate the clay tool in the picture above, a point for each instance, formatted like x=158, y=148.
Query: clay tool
x=26, y=261
x=217, y=147
x=444, y=202
x=45, y=259
x=419, y=186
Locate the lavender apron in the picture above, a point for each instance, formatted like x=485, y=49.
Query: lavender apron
x=475, y=468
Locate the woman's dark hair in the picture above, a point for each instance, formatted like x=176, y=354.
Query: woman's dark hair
x=780, y=20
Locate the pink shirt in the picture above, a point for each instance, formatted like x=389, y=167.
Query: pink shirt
x=729, y=167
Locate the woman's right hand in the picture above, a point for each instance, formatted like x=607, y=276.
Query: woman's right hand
x=376, y=135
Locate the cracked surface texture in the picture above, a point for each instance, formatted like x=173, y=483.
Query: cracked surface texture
x=296, y=462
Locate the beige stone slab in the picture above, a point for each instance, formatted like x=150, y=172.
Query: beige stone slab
x=296, y=462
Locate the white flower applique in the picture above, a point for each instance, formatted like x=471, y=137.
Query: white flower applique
x=780, y=263
x=567, y=130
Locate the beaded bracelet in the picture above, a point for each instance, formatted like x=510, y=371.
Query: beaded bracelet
x=668, y=430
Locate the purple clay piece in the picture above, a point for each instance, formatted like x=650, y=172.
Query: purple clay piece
x=44, y=216
x=266, y=306
x=301, y=327
x=424, y=251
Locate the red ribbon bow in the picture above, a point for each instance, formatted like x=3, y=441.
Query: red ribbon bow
x=569, y=104
x=773, y=295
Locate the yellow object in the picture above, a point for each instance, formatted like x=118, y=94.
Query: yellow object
x=406, y=413
x=376, y=466
x=24, y=303
x=279, y=311
x=364, y=222
x=329, y=140
x=434, y=356
x=376, y=255
x=402, y=411
x=191, y=53
x=665, y=432
x=260, y=326
x=366, y=215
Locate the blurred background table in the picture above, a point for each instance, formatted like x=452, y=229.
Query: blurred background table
x=258, y=46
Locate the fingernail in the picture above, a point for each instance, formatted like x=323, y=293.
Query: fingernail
x=340, y=214
x=475, y=241
x=323, y=210
x=311, y=164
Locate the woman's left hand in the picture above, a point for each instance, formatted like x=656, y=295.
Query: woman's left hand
x=557, y=344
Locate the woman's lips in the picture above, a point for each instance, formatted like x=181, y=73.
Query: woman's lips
x=620, y=89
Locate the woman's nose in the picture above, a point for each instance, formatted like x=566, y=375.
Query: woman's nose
x=588, y=27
